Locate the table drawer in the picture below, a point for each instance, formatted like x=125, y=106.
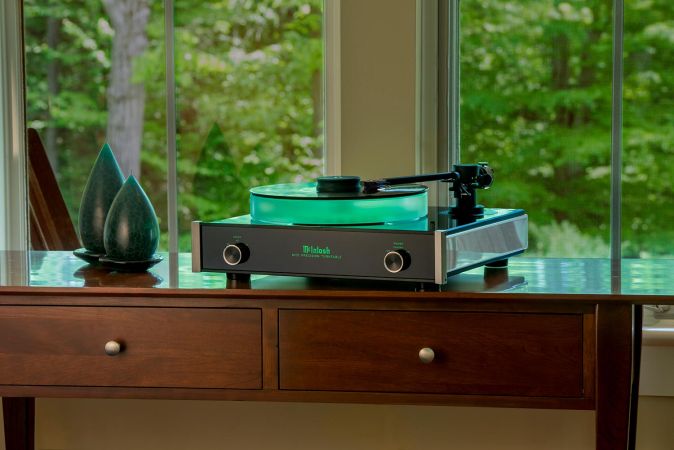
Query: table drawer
x=507, y=354
x=161, y=347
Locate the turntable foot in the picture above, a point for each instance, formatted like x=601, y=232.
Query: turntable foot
x=244, y=277
x=497, y=264
x=427, y=287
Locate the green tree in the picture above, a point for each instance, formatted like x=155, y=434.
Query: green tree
x=67, y=61
x=247, y=71
x=249, y=91
x=536, y=103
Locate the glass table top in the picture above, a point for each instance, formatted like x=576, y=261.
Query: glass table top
x=524, y=275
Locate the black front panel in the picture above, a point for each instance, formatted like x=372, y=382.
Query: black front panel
x=311, y=251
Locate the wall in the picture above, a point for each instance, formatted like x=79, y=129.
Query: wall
x=168, y=425
x=378, y=61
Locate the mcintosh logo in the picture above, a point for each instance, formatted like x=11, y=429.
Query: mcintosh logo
x=313, y=250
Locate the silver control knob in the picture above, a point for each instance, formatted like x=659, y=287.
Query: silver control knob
x=397, y=260
x=426, y=355
x=235, y=254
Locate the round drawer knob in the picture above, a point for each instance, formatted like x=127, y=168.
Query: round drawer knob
x=426, y=355
x=113, y=348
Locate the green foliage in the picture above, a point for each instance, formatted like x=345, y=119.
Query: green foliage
x=536, y=103
x=648, y=139
x=249, y=94
x=249, y=98
x=75, y=63
x=564, y=240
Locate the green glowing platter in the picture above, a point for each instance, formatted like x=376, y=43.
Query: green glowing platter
x=301, y=204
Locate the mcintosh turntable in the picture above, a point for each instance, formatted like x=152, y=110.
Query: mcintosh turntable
x=343, y=227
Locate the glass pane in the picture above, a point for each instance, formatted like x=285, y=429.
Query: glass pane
x=648, y=129
x=250, y=101
x=536, y=104
x=95, y=73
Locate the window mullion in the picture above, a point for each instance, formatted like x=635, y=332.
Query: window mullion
x=454, y=87
x=616, y=133
x=171, y=138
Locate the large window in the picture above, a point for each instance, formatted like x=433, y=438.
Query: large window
x=249, y=96
x=648, y=132
x=536, y=102
x=249, y=84
x=95, y=74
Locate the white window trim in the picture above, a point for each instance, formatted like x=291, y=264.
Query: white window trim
x=437, y=137
x=13, y=179
x=427, y=99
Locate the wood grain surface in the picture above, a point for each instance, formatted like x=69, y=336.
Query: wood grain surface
x=475, y=353
x=614, y=376
x=162, y=347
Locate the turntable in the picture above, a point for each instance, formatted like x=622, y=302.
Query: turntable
x=342, y=227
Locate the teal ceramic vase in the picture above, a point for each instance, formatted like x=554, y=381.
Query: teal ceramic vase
x=105, y=180
x=131, y=229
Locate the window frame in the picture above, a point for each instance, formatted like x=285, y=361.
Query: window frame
x=14, y=201
x=331, y=107
x=14, y=181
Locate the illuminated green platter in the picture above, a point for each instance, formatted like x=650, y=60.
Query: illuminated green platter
x=300, y=204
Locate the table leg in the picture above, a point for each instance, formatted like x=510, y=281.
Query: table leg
x=636, y=373
x=615, y=362
x=19, y=418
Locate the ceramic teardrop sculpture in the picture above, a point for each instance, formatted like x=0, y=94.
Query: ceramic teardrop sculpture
x=131, y=229
x=105, y=180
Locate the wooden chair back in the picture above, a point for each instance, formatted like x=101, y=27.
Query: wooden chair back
x=50, y=224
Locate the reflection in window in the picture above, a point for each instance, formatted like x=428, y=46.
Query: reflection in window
x=250, y=101
x=536, y=104
x=95, y=73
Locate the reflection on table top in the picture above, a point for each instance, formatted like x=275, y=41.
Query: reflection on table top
x=524, y=275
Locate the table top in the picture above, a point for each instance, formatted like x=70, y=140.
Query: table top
x=526, y=279
x=525, y=275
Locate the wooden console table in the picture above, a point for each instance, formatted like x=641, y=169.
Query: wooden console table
x=541, y=334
